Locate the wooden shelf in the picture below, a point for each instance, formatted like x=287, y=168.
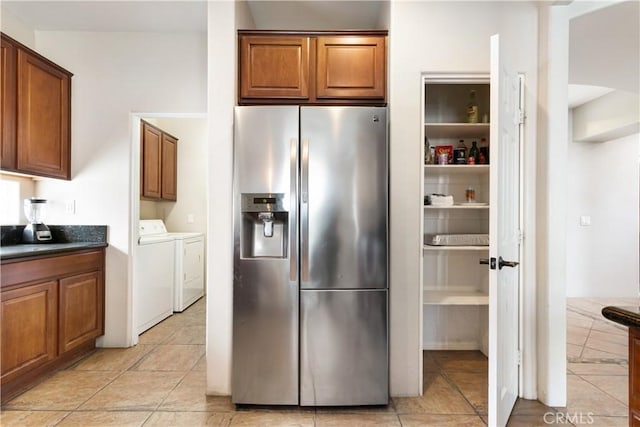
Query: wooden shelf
x=449, y=297
x=457, y=169
x=457, y=130
x=432, y=248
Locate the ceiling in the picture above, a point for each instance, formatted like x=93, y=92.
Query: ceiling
x=604, y=47
x=604, y=41
x=98, y=15
x=191, y=15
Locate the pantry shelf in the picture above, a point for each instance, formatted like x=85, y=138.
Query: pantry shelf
x=449, y=297
x=455, y=207
x=431, y=248
x=457, y=169
x=457, y=130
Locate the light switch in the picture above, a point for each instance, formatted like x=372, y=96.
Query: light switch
x=190, y=219
x=585, y=220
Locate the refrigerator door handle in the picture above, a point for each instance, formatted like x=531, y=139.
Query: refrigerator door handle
x=293, y=212
x=304, y=211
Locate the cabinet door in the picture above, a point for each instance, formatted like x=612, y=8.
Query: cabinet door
x=351, y=67
x=44, y=114
x=8, y=106
x=28, y=328
x=274, y=67
x=169, y=167
x=151, y=161
x=80, y=314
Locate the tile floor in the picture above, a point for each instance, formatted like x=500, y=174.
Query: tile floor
x=161, y=382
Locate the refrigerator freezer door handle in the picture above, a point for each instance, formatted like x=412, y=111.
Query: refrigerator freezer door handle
x=293, y=214
x=304, y=211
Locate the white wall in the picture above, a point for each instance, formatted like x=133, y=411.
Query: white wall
x=15, y=28
x=551, y=208
x=602, y=259
x=611, y=116
x=243, y=17
x=116, y=74
x=223, y=21
x=435, y=37
x=12, y=205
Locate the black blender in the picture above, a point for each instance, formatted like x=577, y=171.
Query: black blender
x=36, y=231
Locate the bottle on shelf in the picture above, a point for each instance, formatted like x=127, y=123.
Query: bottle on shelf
x=428, y=152
x=470, y=195
x=483, y=156
x=460, y=153
x=473, y=153
x=472, y=108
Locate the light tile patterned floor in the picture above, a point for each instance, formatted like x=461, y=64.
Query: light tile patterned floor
x=597, y=365
x=161, y=382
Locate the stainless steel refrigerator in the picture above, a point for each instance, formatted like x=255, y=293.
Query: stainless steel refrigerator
x=310, y=297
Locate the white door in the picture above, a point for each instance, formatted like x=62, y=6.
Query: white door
x=504, y=234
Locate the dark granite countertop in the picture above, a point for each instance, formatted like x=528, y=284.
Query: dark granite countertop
x=626, y=316
x=22, y=251
x=66, y=238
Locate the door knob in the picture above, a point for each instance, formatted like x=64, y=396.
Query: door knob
x=503, y=263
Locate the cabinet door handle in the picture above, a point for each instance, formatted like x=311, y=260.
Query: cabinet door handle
x=484, y=261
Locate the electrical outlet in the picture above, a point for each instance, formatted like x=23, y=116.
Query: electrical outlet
x=190, y=219
x=70, y=207
x=585, y=220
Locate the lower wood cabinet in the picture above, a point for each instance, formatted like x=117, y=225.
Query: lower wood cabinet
x=81, y=310
x=52, y=309
x=29, y=328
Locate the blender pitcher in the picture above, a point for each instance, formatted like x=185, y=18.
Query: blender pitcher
x=35, y=231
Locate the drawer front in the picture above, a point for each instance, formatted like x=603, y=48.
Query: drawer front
x=39, y=269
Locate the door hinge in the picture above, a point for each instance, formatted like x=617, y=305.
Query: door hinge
x=520, y=237
x=519, y=358
x=521, y=116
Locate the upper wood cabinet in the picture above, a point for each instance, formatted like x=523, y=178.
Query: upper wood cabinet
x=274, y=67
x=36, y=113
x=330, y=68
x=158, y=168
x=351, y=67
x=169, y=167
x=8, y=105
x=151, y=165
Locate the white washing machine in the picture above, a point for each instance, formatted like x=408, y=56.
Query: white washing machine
x=155, y=270
x=189, y=269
